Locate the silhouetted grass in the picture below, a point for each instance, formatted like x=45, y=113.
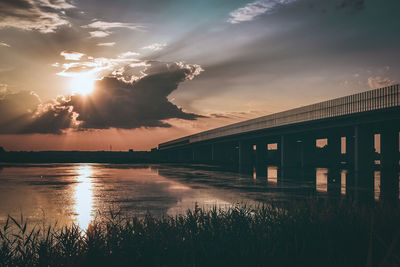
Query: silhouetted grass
x=307, y=233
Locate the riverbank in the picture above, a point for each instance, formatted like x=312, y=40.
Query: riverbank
x=307, y=233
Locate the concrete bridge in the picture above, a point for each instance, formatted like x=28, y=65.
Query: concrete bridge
x=354, y=129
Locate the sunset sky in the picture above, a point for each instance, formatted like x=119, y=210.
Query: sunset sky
x=87, y=74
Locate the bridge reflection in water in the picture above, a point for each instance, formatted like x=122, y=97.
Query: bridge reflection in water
x=374, y=184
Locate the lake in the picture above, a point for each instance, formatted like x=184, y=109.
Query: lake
x=66, y=193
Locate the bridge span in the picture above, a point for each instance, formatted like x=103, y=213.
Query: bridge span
x=359, y=130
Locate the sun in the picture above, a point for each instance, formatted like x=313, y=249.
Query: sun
x=82, y=84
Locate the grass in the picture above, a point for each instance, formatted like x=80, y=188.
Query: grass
x=307, y=233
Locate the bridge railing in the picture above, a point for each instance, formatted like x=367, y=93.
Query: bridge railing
x=376, y=99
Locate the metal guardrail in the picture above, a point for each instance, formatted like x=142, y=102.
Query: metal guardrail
x=376, y=99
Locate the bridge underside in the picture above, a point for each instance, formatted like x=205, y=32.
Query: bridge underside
x=356, y=140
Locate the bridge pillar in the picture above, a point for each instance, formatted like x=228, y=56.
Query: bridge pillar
x=363, y=148
x=334, y=181
x=307, y=151
x=360, y=186
x=245, y=150
x=349, y=144
x=389, y=148
x=363, y=160
x=188, y=154
x=195, y=153
x=261, y=152
x=205, y=153
x=389, y=163
x=288, y=149
x=192, y=154
x=218, y=153
x=334, y=150
x=180, y=155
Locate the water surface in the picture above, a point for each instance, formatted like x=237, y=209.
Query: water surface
x=66, y=193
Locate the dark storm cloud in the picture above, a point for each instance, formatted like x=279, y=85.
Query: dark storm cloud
x=141, y=103
x=113, y=104
x=42, y=15
x=23, y=113
x=352, y=4
x=8, y=5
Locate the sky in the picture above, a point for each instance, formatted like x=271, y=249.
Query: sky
x=90, y=74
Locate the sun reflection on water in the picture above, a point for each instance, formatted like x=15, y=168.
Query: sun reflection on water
x=84, y=196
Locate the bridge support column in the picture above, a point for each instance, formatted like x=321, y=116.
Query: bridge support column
x=334, y=150
x=389, y=148
x=363, y=162
x=205, y=153
x=218, y=153
x=334, y=181
x=195, y=153
x=349, y=155
x=363, y=148
x=261, y=150
x=307, y=151
x=180, y=154
x=389, y=163
x=288, y=149
x=245, y=151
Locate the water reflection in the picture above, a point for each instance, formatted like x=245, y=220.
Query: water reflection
x=377, y=185
x=76, y=192
x=272, y=174
x=343, y=176
x=321, y=179
x=84, y=196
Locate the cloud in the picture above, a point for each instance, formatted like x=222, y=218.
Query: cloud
x=379, y=82
x=104, y=26
x=352, y=4
x=99, y=34
x=155, y=46
x=23, y=113
x=131, y=72
x=106, y=44
x=237, y=116
x=114, y=103
x=3, y=89
x=143, y=103
x=254, y=9
x=4, y=44
x=99, y=66
x=71, y=55
x=128, y=54
x=77, y=68
x=56, y=4
x=44, y=16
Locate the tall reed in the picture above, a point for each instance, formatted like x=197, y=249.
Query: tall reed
x=305, y=233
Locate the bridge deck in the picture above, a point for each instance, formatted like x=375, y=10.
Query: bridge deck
x=372, y=100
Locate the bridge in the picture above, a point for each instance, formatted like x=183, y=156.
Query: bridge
x=358, y=130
